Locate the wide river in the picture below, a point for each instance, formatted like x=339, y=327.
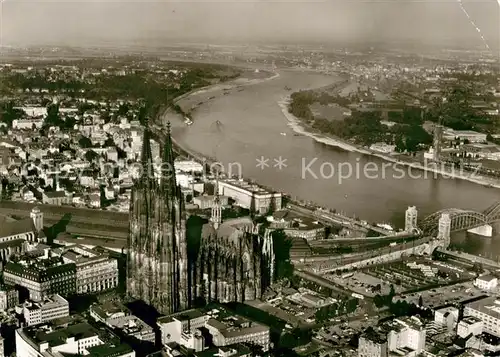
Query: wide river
x=252, y=125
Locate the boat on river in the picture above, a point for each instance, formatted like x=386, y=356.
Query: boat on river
x=385, y=226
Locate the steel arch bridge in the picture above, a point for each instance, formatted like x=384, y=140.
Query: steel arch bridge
x=461, y=219
x=493, y=212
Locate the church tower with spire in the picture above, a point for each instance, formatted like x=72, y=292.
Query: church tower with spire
x=157, y=249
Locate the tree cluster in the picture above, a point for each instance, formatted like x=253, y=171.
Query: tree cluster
x=384, y=300
x=364, y=127
x=457, y=111
x=8, y=113
x=297, y=337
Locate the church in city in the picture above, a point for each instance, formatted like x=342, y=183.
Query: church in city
x=157, y=261
x=234, y=262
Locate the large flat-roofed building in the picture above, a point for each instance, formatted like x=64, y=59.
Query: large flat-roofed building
x=118, y=317
x=95, y=271
x=42, y=278
x=75, y=339
x=488, y=311
x=50, y=308
x=225, y=327
x=133, y=326
x=117, y=245
x=235, y=329
x=173, y=326
x=307, y=229
x=250, y=196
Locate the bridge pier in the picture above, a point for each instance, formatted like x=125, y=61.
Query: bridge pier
x=485, y=230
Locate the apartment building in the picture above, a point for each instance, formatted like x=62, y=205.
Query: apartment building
x=372, y=343
x=447, y=317
x=50, y=308
x=486, y=282
x=469, y=325
x=403, y=336
x=486, y=310
x=27, y=124
x=9, y=298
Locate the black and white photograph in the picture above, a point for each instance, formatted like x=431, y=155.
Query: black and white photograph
x=249, y=178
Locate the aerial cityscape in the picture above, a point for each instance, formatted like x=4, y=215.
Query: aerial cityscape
x=313, y=179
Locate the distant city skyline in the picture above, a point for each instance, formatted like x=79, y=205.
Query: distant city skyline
x=97, y=23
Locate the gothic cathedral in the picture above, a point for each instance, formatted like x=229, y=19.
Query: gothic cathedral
x=157, y=266
x=232, y=259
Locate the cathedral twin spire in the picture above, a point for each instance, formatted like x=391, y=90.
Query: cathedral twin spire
x=157, y=248
x=167, y=185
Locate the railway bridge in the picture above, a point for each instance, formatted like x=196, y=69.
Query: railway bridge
x=461, y=219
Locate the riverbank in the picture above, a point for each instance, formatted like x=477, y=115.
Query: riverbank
x=219, y=87
x=238, y=82
x=299, y=127
x=233, y=84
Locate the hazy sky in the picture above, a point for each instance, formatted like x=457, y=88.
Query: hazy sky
x=75, y=22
